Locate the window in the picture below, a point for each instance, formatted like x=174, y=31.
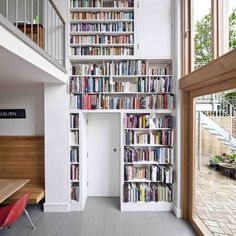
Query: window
x=202, y=32
x=212, y=27
x=227, y=25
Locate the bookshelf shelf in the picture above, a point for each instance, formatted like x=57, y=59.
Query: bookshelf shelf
x=137, y=181
x=77, y=59
x=146, y=145
x=121, y=76
x=74, y=145
x=123, y=93
x=147, y=163
x=73, y=129
x=146, y=111
x=74, y=163
x=147, y=129
x=147, y=206
x=114, y=33
x=100, y=9
x=101, y=21
x=102, y=45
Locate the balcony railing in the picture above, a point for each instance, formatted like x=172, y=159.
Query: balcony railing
x=41, y=21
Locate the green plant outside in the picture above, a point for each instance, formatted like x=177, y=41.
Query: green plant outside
x=203, y=38
x=216, y=159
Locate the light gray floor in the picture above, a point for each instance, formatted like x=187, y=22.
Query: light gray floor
x=101, y=217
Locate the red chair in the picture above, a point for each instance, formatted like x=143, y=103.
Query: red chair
x=11, y=213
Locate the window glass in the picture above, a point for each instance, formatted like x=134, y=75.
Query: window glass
x=202, y=35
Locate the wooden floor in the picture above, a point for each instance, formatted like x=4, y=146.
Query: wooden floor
x=101, y=217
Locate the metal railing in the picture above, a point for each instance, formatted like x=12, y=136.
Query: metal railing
x=220, y=110
x=41, y=21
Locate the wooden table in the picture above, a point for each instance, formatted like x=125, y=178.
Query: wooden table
x=10, y=186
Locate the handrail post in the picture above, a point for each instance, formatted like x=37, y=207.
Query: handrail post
x=199, y=140
x=231, y=123
x=7, y=9
x=16, y=16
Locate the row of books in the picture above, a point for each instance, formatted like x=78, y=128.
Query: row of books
x=128, y=67
x=102, y=39
x=160, y=155
x=100, y=3
x=136, y=173
x=104, y=51
x=74, y=155
x=75, y=192
x=142, y=192
x=100, y=101
x=85, y=3
x=160, y=137
x=107, y=15
x=74, y=137
x=90, y=84
x=161, y=173
x=152, y=121
x=74, y=121
x=153, y=173
x=74, y=172
x=162, y=84
x=102, y=27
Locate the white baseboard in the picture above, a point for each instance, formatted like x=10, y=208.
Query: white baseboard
x=56, y=207
x=177, y=212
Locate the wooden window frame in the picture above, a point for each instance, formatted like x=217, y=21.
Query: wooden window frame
x=217, y=76
x=187, y=34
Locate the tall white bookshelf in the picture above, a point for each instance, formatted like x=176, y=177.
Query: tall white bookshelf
x=102, y=28
x=147, y=164
x=123, y=83
x=74, y=155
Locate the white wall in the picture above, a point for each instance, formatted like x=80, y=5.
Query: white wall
x=30, y=99
x=56, y=148
x=177, y=71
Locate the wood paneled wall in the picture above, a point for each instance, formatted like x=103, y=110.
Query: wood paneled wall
x=22, y=157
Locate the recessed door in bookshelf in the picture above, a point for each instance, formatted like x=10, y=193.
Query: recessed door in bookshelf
x=103, y=155
x=101, y=27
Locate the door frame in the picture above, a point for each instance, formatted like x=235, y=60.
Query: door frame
x=217, y=76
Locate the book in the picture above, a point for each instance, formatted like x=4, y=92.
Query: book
x=74, y=121
x=74, y=155
x=74, y=172
x=75, y=192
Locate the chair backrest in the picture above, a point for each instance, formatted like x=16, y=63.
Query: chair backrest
x=16, y=210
